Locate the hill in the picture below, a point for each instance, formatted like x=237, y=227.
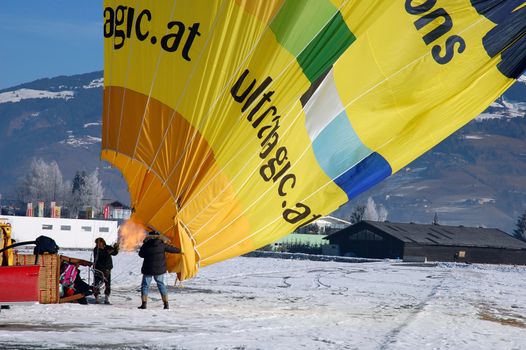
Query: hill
x=54, y=119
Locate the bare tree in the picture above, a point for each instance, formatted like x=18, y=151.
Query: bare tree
x=370, y=211
x=435, y=220
x=43, y=182
x=375, y=212
x=357, y=214
x=94, y=191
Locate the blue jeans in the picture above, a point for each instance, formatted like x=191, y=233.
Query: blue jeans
x=159, y=279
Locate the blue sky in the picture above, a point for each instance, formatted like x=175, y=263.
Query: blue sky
x=47, y=38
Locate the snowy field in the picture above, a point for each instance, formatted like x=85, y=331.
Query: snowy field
x=265, y=303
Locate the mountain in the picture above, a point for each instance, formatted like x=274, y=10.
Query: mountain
x=54, y=119
x=476, y=177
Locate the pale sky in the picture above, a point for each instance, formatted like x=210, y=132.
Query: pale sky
x=47, y=38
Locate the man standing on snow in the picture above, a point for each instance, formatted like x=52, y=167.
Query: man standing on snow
x=154, y=265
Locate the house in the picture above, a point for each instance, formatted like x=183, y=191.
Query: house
x=118, y=211
x=416, y=242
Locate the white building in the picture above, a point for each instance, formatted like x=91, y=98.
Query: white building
x=331, y=223
x=67, y=233
x=324, y=226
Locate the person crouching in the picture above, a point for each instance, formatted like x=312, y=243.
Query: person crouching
x=154, y=265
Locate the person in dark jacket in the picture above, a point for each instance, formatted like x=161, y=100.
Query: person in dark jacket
x=103, y=263
x=154, y=265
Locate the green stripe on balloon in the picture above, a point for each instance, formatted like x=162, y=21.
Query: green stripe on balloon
x=326, y=48
x=316, y=34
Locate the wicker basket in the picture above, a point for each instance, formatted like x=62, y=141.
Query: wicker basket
x=48, y=279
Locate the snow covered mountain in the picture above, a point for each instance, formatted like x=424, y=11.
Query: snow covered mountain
x=54, y=119
x=475, y=177
x=510, y=105
x=503, y=108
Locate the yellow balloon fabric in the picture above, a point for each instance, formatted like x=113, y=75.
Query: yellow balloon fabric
x=235, y=122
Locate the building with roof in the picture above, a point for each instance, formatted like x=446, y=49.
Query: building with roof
x=324, y=226
x=118, y=211
x=416, y=242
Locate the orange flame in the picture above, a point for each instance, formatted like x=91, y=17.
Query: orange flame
x=131, y=235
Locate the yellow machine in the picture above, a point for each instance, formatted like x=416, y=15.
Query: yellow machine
x=7, y=256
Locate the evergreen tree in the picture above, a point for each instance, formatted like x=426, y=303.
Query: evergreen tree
x=86, y=191
x=79, y=181
x=520, y=231
x=76, y=200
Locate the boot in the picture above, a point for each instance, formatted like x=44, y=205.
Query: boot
x=144, y=299
x=165, y=301
x=107, y=299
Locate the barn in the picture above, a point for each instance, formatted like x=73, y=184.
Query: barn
x=416, y=242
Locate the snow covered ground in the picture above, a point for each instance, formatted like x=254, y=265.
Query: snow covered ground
x=266, y=303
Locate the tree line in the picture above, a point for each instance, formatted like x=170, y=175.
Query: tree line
x=45, y=182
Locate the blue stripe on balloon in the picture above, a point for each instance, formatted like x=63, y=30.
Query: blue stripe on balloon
x=363, y=176
x=338, y=148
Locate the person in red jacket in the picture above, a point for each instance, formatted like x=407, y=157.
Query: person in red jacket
x=154, y=265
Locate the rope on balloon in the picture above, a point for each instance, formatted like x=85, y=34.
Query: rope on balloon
x=204, y=119
x=409, y=65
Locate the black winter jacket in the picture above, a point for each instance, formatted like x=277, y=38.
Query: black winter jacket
x=102, y=257
x=152, y=251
